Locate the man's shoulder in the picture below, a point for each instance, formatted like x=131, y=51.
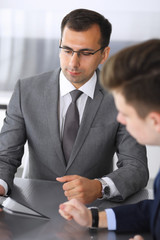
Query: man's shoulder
x=41, y=78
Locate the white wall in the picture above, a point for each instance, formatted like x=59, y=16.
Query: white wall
x=131, y=20
x=153, y=154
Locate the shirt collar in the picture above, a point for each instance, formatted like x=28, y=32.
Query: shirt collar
x=88, y=88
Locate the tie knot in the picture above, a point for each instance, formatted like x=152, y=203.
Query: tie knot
x=75, y=94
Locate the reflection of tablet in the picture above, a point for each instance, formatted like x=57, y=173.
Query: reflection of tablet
x=12, y=207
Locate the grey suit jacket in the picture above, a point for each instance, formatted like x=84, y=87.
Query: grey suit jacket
x=32, y=115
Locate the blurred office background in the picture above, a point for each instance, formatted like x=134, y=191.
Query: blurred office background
x=30, y=32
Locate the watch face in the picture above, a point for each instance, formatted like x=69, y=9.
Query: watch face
x=107, y=190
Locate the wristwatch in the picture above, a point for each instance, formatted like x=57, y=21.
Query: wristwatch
x=105, y=188
x=95, y=217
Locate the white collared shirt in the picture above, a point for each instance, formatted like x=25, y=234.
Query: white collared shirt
x=65, y=98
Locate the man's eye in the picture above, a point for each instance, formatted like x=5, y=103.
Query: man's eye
x=67, y=51
x=86, y=53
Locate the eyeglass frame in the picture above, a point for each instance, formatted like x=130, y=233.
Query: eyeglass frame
x=81, y=51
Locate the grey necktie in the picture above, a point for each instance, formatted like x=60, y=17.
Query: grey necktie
x=71, y=125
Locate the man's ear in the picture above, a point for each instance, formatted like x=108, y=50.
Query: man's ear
x=155, y=118
x=105, y=54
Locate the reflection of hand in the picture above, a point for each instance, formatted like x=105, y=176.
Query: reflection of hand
x=5, y=233
x=137, y=237
x=81, y=188
x=73, y=232
x=77, y=211
x=2, y=190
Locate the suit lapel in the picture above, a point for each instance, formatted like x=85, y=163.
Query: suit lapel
x=91, y=108
x=51, y=98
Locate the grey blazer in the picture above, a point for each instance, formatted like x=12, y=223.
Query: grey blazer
x=32, y=115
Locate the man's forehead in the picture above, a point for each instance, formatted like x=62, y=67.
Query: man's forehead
x=78, y=40
x=94, y=29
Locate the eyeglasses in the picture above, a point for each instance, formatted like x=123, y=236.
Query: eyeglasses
x=82, y=53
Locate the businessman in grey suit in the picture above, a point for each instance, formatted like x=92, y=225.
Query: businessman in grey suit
x=37, y=110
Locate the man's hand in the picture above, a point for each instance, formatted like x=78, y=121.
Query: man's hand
x=74, y=209
x=77, y=211
x=2, y=191
x=81, y=188
x=137, y=237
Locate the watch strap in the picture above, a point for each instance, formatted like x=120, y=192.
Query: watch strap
x=95, y=217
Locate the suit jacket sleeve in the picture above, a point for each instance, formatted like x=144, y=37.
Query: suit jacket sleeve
x=13, y=136
x=131, y=165
x=134, y=217
x=141, y=217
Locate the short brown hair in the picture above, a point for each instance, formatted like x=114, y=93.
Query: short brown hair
x=83, y=19
x=135, y=72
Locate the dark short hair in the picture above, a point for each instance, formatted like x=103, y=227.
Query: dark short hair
x=83, y=19
x=135, y=72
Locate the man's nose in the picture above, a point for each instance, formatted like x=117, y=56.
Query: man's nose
x=74, y=60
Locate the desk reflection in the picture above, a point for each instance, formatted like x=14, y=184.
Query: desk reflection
x=28, y=192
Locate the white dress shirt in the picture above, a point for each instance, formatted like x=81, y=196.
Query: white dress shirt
x=65, y=98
